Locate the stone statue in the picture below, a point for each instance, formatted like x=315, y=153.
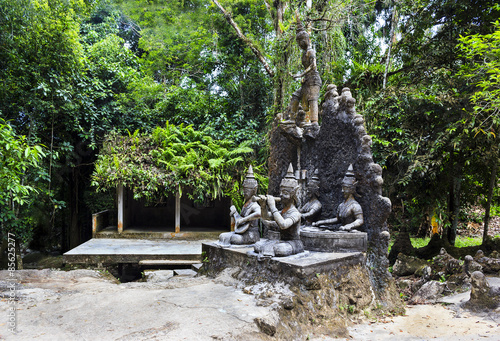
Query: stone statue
x=308, y=93
x=349, y=213
x=312, y=207
x=246, y=224
x=287, y=221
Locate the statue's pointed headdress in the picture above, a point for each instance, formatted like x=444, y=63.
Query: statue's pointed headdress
x=349, y=178
x=313, y=183
x=289, y=180
x=300, y=26
x=300, y=29
x=250, y=181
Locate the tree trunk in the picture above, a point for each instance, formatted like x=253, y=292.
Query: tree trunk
x=389, y=48
x=487, y=207
x=74, y=231
x=247, y=41
x=19, y=258
x=454, y=208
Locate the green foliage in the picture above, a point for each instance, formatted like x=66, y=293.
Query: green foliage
x=170, y=159
x=19, y=162
x=482, y=51
x=423, y=122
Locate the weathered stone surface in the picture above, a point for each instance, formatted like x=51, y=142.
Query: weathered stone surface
x=430, y=292
x=482, y=295
x=470, y=265
x=424, y=271
x=315, y=239
x=268, y=324
x=341, y=141
x=185, y=272
x=311, y=291
x=158, y=276
x=295, y=270
x=489, y=265
x=196, y=267
x=458, y=282
x=407, y=265
x=444, y=263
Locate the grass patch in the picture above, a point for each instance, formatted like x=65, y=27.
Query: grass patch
x=461, y=241
x=419, y=242
x=468, y=241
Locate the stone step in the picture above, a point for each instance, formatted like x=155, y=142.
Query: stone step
x=196, y=267
x=158, y=276
x=168, y=262
x=185, y=272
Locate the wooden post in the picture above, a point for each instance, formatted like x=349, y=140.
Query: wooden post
x=94, y=225
x=119, y=193
x=177, y=212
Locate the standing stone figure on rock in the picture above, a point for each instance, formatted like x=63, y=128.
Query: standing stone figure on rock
x=311, y=209
x=349, y=213
x=246, y=224
x=308, y=93
x=287, y=221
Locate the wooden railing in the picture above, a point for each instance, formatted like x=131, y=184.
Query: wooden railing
x=101, y=220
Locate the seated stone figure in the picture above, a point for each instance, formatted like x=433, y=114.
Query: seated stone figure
x=246, y=224
x=312, y=207
x=287, y=221
x=349, y=213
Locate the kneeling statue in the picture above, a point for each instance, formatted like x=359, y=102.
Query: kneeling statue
x=312, y=208
x=246, y=223
x=349, y=213
x=287, y=221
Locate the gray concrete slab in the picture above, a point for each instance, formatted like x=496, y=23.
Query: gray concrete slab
x=113, y=251
x=185, y=272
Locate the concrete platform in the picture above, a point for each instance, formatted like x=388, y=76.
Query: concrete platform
x=291, y=269
x=145, y=232
x=119, y=251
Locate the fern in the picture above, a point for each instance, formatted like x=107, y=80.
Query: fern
x=170, y=158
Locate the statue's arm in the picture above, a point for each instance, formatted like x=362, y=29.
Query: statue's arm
x=357, y=211
x=254, y=213
x=283, y=223
x=315, y=207
x=270, y=223
x=234, y=213
x=325, y=222
x=312, y=64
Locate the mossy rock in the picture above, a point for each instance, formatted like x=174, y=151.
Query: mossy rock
x=407, y=265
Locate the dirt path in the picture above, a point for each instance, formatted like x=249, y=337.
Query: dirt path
x=436, y=322
x=84, y=305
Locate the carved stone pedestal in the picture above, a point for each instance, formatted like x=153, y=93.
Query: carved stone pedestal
x=316, y=239
x=294, y=270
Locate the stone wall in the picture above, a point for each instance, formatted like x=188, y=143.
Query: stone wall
x=342, y=140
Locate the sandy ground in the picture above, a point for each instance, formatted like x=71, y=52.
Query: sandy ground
x=431, y=322
x=85, y=305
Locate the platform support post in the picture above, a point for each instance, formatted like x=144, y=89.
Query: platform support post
x=177, y=212
x=120, y=196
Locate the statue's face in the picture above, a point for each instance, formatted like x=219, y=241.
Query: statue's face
x=311, y=191
x=287, y=193
x=303, y=41
x=248, y=192
x=347, y=190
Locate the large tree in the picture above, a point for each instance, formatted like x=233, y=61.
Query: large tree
x=419, y=117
